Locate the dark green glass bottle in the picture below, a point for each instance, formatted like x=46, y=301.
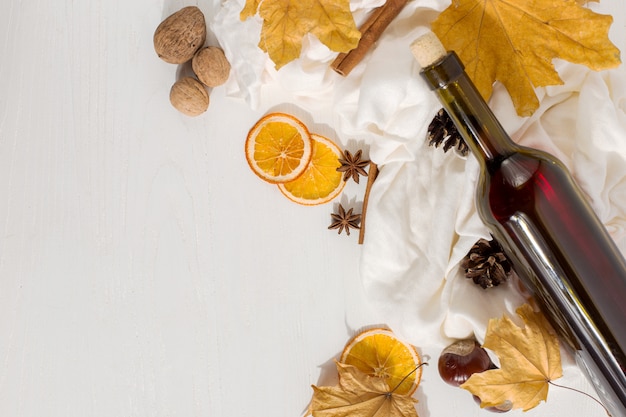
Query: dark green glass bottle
x=557, y=244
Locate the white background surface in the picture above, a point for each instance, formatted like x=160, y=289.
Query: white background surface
x=144, y=270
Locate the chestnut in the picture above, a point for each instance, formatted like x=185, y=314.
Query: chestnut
x=501, y=408
x=461, y=359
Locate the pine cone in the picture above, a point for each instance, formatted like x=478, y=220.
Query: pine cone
x=486, y=264
x=442, y=130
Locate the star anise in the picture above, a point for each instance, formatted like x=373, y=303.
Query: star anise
x=345, y=220
x=486, y=264
x=353, y=166
x=442, y=130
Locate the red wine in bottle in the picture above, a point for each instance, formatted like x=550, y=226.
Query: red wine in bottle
x=533, y=207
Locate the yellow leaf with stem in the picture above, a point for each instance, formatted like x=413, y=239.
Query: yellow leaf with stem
x=529, y=359
x=286, y=22
x=360, y=395
x=515, y=42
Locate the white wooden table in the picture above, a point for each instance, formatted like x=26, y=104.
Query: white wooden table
x=144, y=270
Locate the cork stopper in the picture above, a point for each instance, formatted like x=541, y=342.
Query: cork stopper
x=428, y=49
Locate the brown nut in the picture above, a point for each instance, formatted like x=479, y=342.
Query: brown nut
x=506, y=406
x=461, y=359
x=189, y=96
x=211, y=66
x=179, y=36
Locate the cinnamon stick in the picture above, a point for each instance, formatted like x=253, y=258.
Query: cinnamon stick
x=371, y=30
x=371, y=177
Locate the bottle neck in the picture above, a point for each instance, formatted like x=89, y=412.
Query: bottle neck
x=473, y=118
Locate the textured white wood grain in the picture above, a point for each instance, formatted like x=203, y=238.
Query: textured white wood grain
x=144, y=270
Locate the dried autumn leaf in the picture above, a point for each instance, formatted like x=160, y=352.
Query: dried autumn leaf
x=529, y=359
x=359, y=395
x=249, y=9
x=286, y=22
x=515, y=42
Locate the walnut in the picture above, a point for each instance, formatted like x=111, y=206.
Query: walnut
x=189, y=96
x=211, y=66
x=178, y=37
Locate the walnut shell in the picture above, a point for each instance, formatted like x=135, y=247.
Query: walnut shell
x=189, y=96
x=178, y=37
x=211, y=66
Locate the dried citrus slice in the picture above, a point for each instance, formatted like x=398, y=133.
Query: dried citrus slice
x=378, y=352
x=278, y=148
x=320, y=182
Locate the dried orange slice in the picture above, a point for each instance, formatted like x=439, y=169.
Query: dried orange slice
x=378, y=352
x=278, y=148
x=320, y=182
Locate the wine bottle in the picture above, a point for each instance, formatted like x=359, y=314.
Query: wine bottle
x=531, y=204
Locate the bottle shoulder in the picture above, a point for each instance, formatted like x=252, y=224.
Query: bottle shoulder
x=519, y=165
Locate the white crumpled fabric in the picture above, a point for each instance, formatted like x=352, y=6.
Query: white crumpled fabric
x=421, y=218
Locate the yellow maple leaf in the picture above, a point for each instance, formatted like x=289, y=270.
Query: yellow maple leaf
x=359, y=395
x=286, y=22
x=249, y=9
x=529, y=359
x=515, y=43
